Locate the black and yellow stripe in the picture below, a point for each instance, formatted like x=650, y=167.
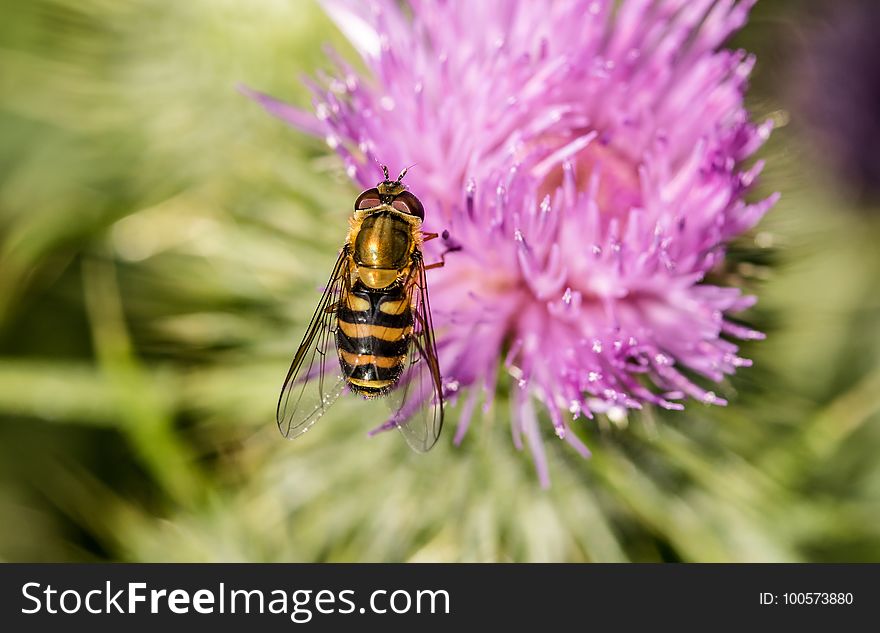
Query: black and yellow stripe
x=372, y=337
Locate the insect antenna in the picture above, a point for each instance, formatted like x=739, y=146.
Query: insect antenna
x=405, y=169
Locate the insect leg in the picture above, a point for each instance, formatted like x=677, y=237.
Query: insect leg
x=442, y=261
x=451, y=247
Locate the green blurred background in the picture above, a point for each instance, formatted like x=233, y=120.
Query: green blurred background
x=161, y=243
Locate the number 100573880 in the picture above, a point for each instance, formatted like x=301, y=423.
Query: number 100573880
x=808, y=598
x=817, y=598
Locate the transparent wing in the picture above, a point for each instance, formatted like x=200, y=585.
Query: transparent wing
x=314, y=381
x=417, y=402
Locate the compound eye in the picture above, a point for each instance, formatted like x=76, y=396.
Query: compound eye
x=367, y=200
x=408, y=203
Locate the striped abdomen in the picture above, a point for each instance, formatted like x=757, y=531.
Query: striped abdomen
x=372, y=337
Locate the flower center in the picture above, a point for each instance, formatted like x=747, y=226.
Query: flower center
x=619, y=189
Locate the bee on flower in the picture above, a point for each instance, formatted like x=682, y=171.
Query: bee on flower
x=585, y=163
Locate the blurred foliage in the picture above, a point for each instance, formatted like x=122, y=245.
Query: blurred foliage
x=161, y=243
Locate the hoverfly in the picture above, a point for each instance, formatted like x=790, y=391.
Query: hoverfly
x=375, y=310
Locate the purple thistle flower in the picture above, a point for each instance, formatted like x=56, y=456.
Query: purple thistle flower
x=587, y=165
